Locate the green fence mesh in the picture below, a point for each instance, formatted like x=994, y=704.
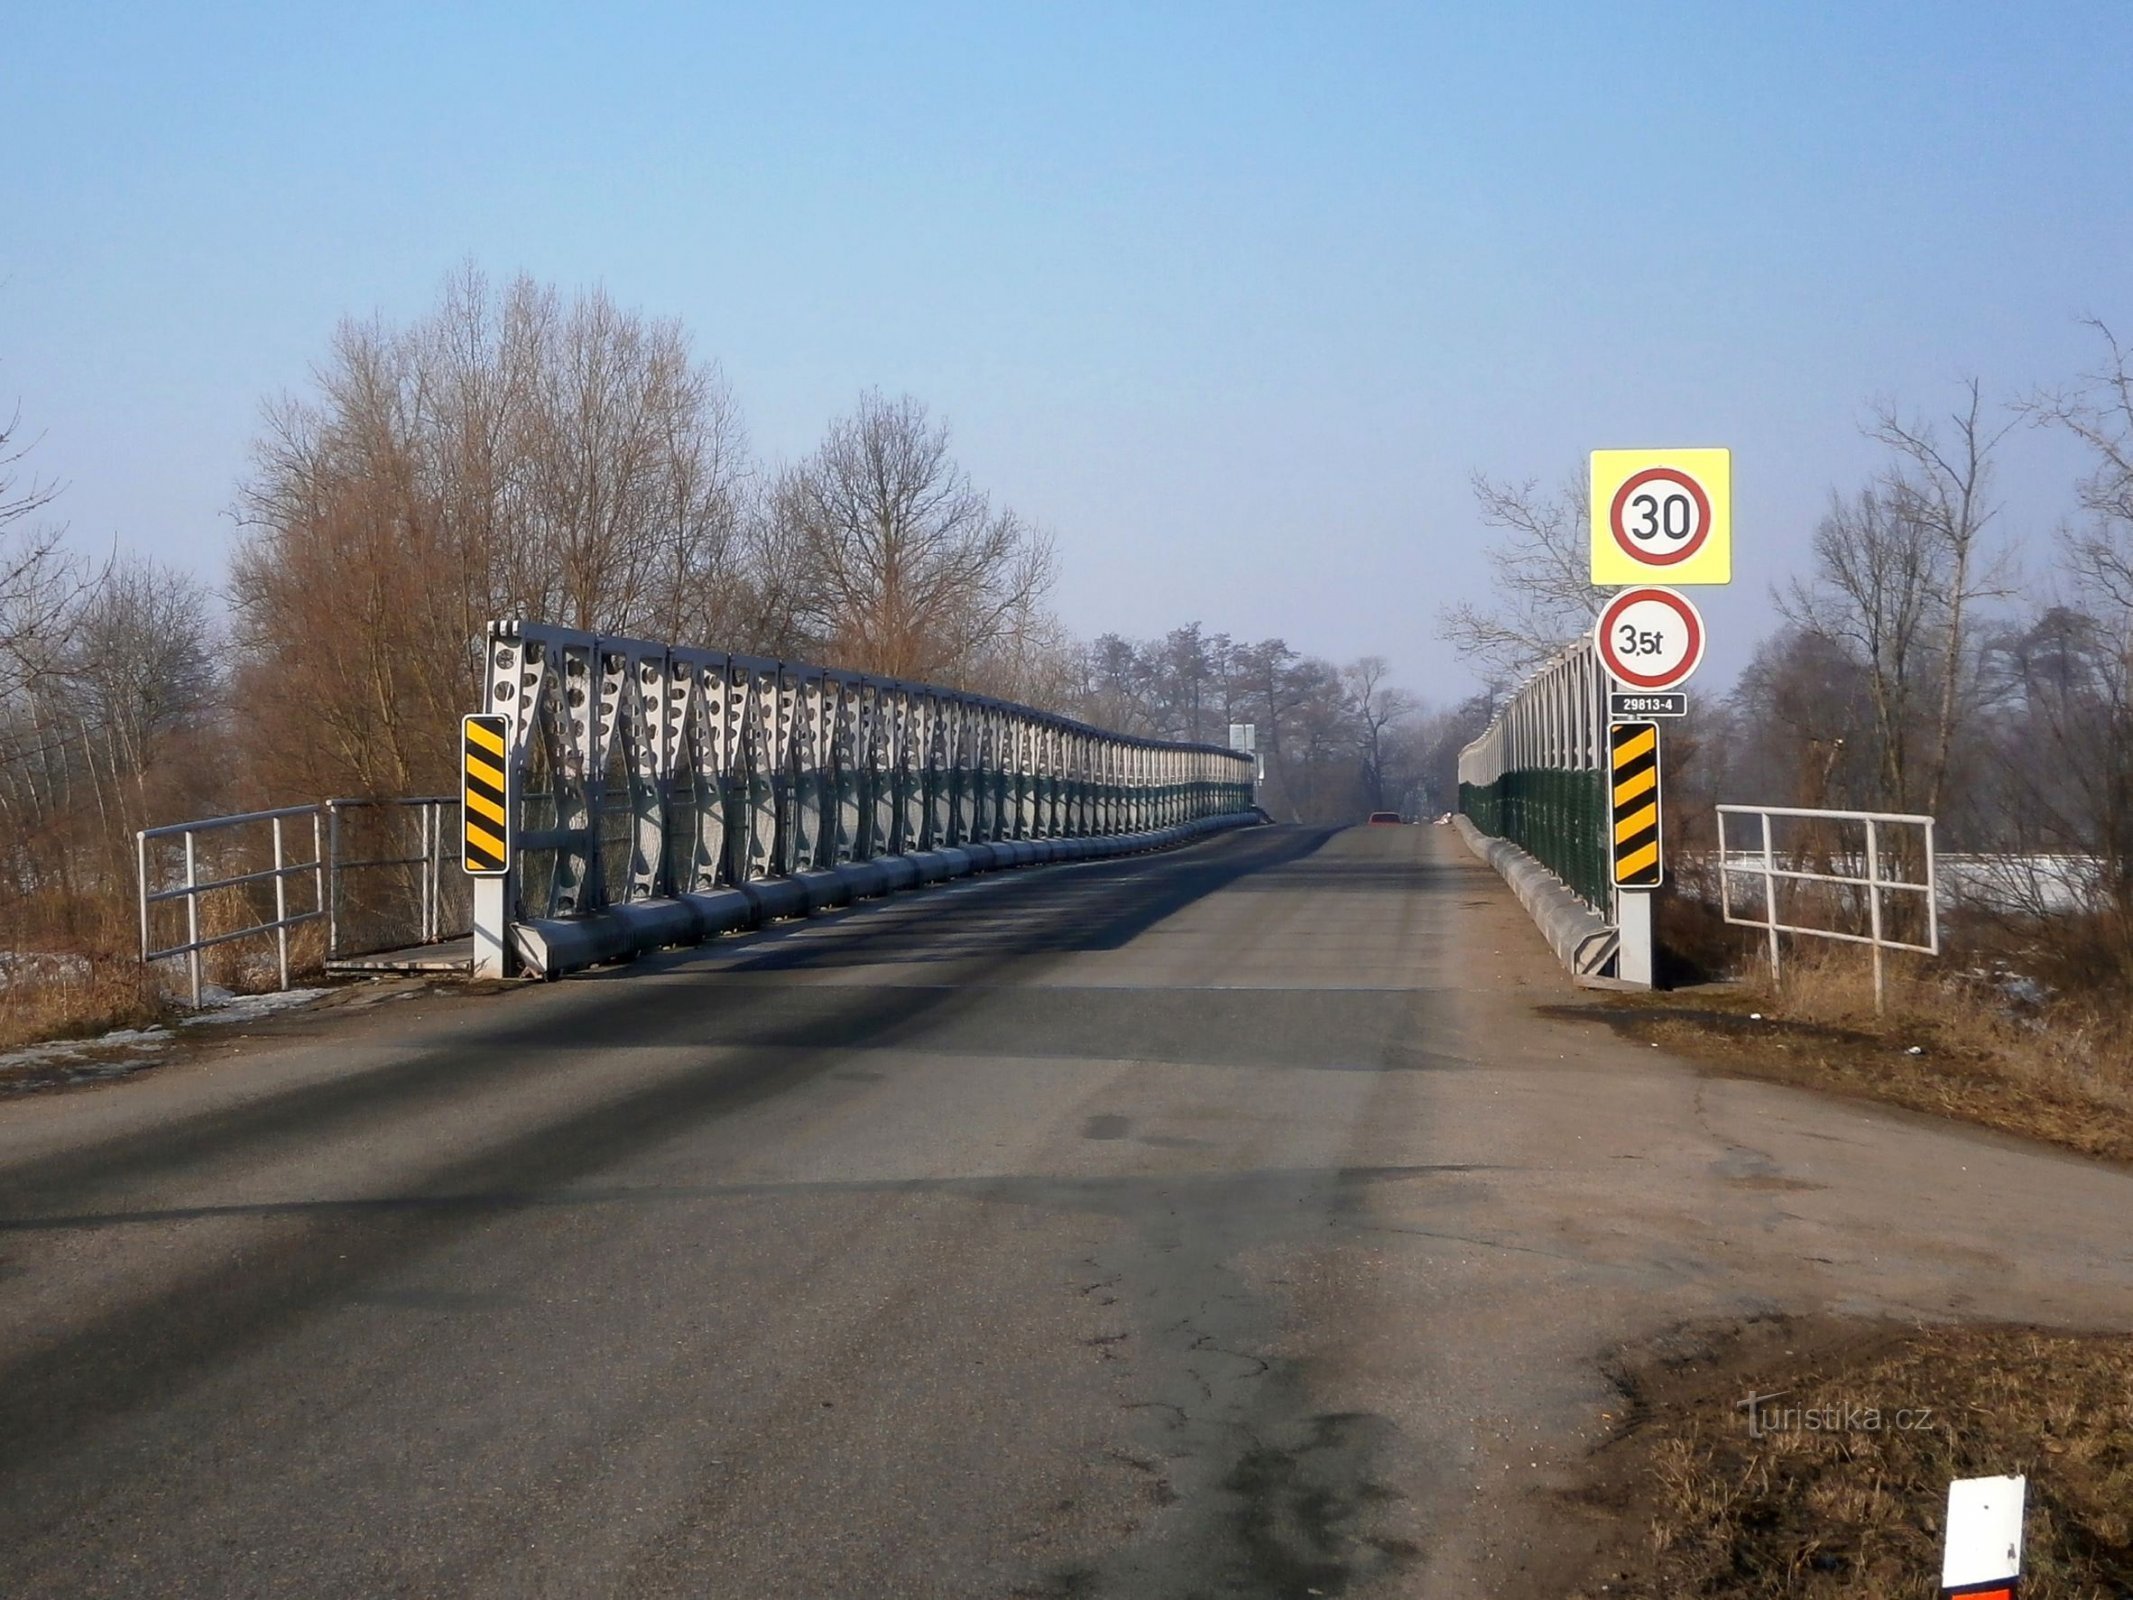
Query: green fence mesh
x=1558, y=818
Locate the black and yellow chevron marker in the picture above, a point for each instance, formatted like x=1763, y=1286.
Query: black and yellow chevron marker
x=1633, y=771
x=484, y=810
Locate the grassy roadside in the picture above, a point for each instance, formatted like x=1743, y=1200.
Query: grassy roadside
x=1840, y=1487
x=1949, y=1047
x=41, y=1006
x=1849, y=1503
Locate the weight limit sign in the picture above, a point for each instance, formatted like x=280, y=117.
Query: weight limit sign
x=1633, y=772
x=1649, y=639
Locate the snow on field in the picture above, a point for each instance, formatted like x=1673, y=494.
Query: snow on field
x=218, y=1005
x=40, y=966
x=128, y=1050
x=111, y=1055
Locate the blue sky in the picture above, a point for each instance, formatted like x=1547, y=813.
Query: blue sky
x=1233, y=298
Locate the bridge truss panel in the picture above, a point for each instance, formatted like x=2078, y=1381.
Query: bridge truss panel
x=641, y=770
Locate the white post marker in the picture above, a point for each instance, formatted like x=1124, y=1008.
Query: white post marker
x=1650, y=639
x=1983, y=1559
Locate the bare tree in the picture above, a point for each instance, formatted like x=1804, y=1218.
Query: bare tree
x=1539, y=575
x=2098, y=411
x=143, y=668
x=2075, y=664
x=41, y=582
x=905, y=567
x=1899, y=572
x=512, y=453
x=1378, y=707
x=1941, y=486
x=1879, y=577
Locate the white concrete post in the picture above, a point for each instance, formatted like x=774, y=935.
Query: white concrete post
x=1633, y=931
x=492, y=926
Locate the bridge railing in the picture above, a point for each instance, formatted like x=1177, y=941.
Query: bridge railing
x=1537, y=776
x=380, y=874
x=658, y=792
x=392, y=874
x=1832, y=878
x=229, y=879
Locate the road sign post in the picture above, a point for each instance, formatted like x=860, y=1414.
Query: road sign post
x=487, y=840
x=1658, y=517
x=1635, y=862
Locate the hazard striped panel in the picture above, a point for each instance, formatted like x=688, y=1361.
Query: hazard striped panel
x=1633, y=773
x=485, y=805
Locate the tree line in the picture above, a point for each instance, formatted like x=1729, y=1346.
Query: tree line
x=1927, y=659
x=521, y=452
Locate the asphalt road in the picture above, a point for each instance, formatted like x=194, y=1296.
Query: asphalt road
x=1222, y=1223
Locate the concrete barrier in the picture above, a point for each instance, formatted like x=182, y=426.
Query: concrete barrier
x=1580, y=937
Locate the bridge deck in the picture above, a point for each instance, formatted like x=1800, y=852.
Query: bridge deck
x=446, y=955
x=1220, y=1222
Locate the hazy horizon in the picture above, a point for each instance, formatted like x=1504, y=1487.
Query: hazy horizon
x=1235, y=307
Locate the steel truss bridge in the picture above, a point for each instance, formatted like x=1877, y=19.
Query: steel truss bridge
x=650, y=794
x=664, y=792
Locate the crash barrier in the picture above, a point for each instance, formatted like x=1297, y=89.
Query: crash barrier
x=1579, y=935
x=377, y=874
x=1534, y=790
x=1857, y=877
x=651, y=794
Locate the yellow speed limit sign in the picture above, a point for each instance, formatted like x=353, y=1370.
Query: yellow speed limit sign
x=1662, y=516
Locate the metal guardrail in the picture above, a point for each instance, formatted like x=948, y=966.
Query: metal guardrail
x=413, y=893
x=1762, y=864
x=1537, y=775
x=193, y=889
x=657, y=785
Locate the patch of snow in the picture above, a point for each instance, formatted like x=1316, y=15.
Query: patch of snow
x=219, y=1005
x=61, y=1051
x=2024, y=990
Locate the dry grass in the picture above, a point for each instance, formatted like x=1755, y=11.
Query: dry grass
x=1949, y=1044
x=1814, y=1513
x=79, y=976
x=50, y=1001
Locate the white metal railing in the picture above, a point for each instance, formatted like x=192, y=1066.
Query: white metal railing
x=426, y=903
x=1556, y=719
x=434, y=906
x=1760, y=860
x=194, y=887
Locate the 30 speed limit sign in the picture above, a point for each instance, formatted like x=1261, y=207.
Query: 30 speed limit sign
x=1650, y=638
x=1662, y=516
